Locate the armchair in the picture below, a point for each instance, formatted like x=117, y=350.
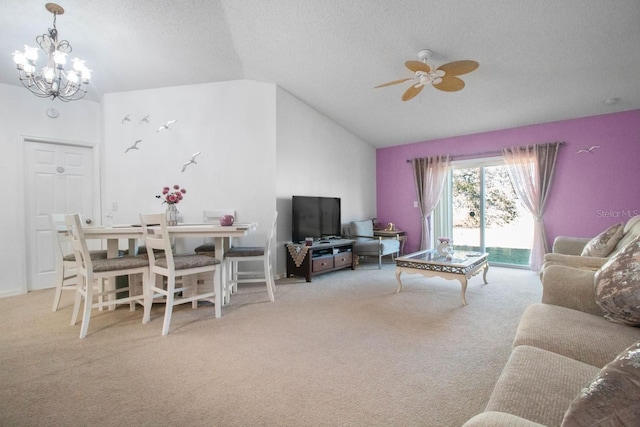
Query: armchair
x=369, y=245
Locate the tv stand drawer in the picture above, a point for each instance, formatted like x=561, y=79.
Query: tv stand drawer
x=322, y=263
x=343, y=259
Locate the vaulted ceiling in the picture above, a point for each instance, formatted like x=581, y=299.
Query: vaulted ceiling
x=540, y=60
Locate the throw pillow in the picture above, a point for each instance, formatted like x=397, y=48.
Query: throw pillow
x=617, y=285
x=613, y=397
x=605, y=242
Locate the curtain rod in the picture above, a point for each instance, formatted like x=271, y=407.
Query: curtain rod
x=480, y=154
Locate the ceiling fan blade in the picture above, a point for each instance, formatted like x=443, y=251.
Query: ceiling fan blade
x=395, y=82
x=417, y=66
x=450, y=84
x=458, y=68
x=412, y=91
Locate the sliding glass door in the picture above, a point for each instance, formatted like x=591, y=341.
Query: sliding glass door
x=484, y=214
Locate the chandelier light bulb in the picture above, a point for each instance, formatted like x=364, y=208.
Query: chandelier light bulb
x=52, y=81
x=60, y=58
x=19, y=58
x=31, y=53
x=72, y=76
x=78, y=64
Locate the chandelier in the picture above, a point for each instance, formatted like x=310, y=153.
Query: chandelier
x=52, y=81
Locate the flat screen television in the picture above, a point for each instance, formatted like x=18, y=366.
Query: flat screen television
x=317, y=217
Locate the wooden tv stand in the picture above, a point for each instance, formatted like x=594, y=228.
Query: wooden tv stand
x=321, y=257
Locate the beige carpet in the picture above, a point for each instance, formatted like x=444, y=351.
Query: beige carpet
x=344, y=350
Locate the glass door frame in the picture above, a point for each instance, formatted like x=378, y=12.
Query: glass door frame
x=443, y=213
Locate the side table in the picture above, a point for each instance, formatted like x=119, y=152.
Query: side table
x=393, y=234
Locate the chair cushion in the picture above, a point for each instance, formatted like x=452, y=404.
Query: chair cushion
x=374, y=246
x=361, y=228
x=618, y=286
x=120, y=263
x=97, y=254
x=183, y=262
x=605, y=242
x=613, y=397
x=142, y=250
x=242, y=251
x=209, y=248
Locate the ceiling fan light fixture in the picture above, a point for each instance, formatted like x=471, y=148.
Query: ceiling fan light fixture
x=443, y=78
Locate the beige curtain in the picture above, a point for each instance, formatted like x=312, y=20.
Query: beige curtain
x=531, y=172
x=430, y=175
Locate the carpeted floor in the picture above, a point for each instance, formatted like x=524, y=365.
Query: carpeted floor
x=344, y=350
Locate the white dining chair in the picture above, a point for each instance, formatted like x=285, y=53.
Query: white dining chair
x=65, y=278
x=189, y=267
x=212, y=217
x=89, y=270
x=239, y=254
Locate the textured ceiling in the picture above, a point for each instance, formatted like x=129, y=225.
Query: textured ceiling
x=540, y=60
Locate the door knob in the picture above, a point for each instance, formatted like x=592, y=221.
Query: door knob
x=88, y=221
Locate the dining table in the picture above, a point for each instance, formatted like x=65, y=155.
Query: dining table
x=221, y=234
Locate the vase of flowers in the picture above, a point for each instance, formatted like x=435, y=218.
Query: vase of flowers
x=444, y=248
x=172, y=196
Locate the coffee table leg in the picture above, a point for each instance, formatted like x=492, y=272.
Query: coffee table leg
x=463, y=282
x=484, y=274
x=398, y=273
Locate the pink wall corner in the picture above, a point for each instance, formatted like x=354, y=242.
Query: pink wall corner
x=590, y=191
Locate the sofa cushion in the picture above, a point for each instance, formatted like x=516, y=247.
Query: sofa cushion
x=630, y=233
x=493, y=419
x=572, y=333
x=612, y=398
x=604, y=243
x=618, y=285
x=539, y=385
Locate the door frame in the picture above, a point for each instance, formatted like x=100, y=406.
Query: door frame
x=443, y=218
x=21, y=246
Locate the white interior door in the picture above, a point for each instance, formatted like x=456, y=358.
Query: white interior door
x=59, y=178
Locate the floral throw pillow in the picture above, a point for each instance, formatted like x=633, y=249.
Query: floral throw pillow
x=617, y=285
x=613, y=397
x=605, y=242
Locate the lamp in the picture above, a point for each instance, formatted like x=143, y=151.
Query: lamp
x=52, y=81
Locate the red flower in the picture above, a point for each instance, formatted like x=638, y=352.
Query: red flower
x=172, y=197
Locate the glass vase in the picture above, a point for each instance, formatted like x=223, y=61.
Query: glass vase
x=172, y=214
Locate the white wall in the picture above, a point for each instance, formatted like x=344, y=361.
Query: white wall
x=317, y=157
x=232, y=125
x=259, y=146
x=24, y=114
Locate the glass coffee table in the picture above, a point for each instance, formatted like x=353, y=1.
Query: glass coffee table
x=430, y=263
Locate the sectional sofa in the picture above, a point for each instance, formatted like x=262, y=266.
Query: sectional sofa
x=576, y=355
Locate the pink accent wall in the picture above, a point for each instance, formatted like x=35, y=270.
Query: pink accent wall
x=589, y=193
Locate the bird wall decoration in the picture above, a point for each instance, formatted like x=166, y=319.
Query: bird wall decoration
x=134, y=146
x=192, y=161
x=145, y=119
x=126, y=118
x=588, y=150
x=166, y=126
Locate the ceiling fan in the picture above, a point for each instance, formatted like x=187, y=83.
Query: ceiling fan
x=443, y=78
